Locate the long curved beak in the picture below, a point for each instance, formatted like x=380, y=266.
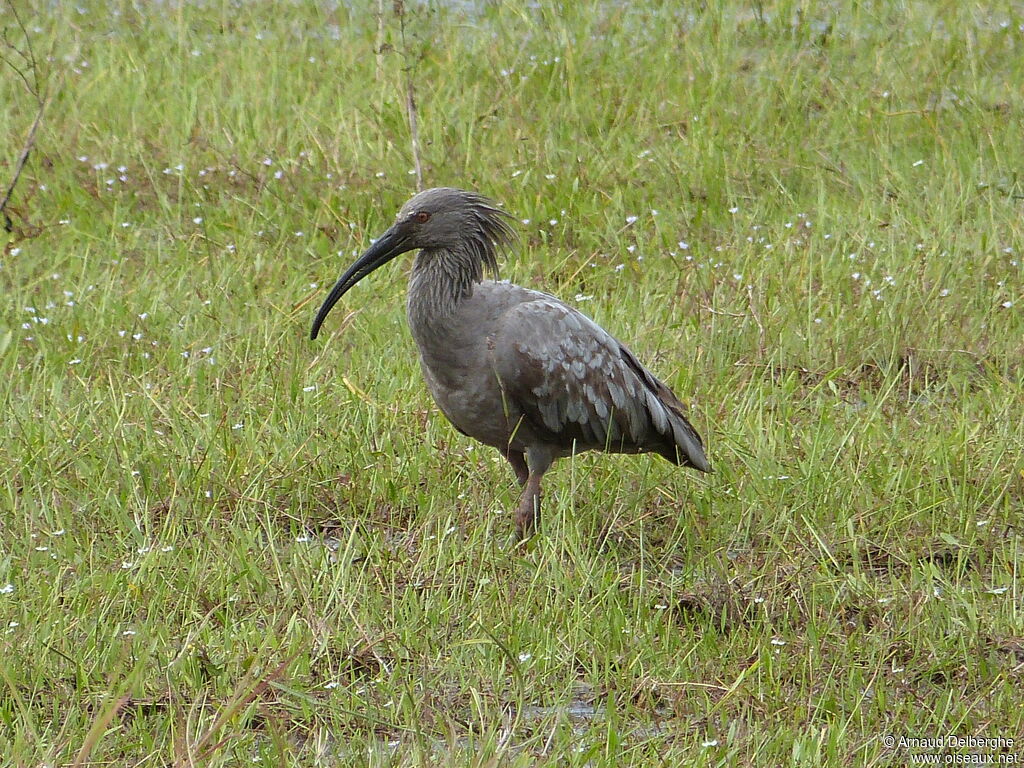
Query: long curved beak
x=391, y=244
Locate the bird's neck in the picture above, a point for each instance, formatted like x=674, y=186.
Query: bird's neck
x=440, y=281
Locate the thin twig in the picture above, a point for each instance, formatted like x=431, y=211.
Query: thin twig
x=379, y=48
x=96, y=731
x=714, y=311
x=244, y=695
x=31, y=76
x=757, y=319
x=410, y=95
x=19, y=166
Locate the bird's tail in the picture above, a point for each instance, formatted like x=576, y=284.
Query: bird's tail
x=689, y=448
x=683, y=445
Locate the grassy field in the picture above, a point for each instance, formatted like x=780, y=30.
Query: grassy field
x=222, y=544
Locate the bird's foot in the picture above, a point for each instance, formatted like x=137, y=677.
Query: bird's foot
x=526, y=518
x=514, y=545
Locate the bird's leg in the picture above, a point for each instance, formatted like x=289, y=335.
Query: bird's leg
x=528, y=513
x=518, y=461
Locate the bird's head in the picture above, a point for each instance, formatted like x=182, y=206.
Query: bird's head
x=436, y=219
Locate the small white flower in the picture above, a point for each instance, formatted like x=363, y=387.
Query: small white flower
x=239, y=425
x=310, y=388
x=330, y=685
x=197, y=220
x=524, y=657
x=996, y=591
x=777, y=641
x=734, y=209
x=1007, y=304
x=709, y=743
x=128, y=633
x=6, y=589
x=944, y=292
x=630, y=219
x=918, y=162
x=549, y=176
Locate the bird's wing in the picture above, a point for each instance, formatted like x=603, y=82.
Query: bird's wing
x=574, y=381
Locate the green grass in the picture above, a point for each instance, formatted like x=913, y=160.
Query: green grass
x=228, y=545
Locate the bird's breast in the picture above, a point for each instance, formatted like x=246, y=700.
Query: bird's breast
x=456, y=353
x=468, y=396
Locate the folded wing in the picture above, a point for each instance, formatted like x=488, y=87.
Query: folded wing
x=573, y=381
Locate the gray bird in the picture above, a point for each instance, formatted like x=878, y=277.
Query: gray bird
x=517, y=369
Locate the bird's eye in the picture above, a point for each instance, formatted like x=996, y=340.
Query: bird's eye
x=422, y=217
